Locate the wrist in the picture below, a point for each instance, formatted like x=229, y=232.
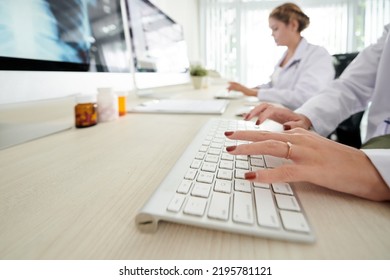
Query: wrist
x=251, y=92
x=375, y=186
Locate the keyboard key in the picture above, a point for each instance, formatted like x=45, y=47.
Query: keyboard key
x=217, y=145
x=257, y=162
x=184, y=187
x=242, y=185
x=214, y=151
x=219, y=206
x=201, y=190
x=265, y=208
x=230, y=143
x=191, y=174
x=206, y=143
x=225, y=174
x=242, y=164
x=287, y=202
x=261, y=185
x=176, y=203
x=294, y=221
x=203, y=149
x=243, y=208
x=255, y=168
x=200, y=155
x=226, y=164
x=240, y=173
x=220, y=140
x=223, y=186
x=205, y=177
x=227, y=156
x=195, y=206
x=242, y=157
x=282, y=188
x=196, y=163
x=209, y=166
x=212, y=158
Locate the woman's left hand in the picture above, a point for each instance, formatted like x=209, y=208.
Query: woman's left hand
x=239, y=87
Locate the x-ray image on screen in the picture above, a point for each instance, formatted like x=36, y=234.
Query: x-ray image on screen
x=76, y=32
x=158, y=43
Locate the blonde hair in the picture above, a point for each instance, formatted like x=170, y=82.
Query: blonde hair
x=288, y=12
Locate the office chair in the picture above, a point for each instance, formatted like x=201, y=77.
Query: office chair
x=348, y=131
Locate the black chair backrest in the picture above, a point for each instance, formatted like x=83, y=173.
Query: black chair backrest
x=341, y=61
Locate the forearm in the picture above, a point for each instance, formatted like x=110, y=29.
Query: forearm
x=245, y=90
x=250, y=91
x=289, y=98
x=376, y=187
x=327, y=109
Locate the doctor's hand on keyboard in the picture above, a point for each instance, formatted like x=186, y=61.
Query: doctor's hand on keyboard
x=313, y=158
x=282, y=115
x=207, y=187
x=214, y=186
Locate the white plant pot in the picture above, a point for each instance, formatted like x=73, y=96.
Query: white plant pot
x=197, y=81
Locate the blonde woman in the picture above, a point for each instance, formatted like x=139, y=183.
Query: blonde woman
x=303, y=70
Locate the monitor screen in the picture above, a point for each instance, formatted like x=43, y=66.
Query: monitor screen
x=157, y=41
x=159, y=51
x=58, y=35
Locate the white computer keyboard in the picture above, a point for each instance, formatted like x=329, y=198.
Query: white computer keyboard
x=207, y=188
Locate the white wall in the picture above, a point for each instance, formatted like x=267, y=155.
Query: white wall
x=186, y=13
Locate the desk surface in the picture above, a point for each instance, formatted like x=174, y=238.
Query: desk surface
x=75, y=194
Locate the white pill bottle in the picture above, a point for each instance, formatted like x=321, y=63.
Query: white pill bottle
x=107, y=103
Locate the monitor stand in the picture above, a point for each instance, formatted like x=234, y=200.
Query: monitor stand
x=26, y=121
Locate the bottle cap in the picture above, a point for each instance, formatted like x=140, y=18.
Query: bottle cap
x=109, y=95
x=86, y=98
x=121, y=92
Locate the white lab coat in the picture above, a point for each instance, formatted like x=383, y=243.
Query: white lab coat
x=366, y=79
x=306, y=73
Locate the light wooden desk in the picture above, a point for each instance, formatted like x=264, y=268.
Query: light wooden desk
x=74, y=195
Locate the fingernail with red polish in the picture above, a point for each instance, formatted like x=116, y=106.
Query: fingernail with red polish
x=286, y=127
x=250, y=175
x=228, y=133
x=230, y=148
x=257, y=122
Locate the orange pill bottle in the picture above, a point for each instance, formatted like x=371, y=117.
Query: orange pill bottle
x=85, y=111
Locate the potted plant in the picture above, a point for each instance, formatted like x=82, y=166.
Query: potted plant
x=198, y=75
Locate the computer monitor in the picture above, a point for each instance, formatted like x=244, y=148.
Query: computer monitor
x=51, y=50
x=55, y=48
x=159, y=51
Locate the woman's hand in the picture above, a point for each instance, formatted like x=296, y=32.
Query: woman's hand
x=238, y=87
x=314, y=159
x=282, y=115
